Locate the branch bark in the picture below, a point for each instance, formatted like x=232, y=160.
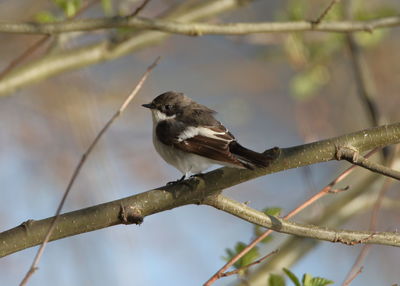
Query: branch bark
x=132, y=209
x=347, y=237
x=196, y=29
x=355, y=158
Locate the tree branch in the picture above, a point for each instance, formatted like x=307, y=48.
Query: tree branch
x=324, y=191
x=191, y=191
x=106, y=50
x=349, y=205
x=311, y=231
x=196, y=29
x=354, y=157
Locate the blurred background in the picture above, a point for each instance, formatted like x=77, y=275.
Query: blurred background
x=270, y=90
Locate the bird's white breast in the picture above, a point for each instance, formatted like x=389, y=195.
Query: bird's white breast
x=183, y=161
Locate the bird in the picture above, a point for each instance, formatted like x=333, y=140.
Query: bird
x=187, y=136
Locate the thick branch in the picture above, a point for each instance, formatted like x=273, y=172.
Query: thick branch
x=192, y=191
x=196, y=29
x=311, y=231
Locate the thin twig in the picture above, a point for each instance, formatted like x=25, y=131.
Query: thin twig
x=325, y=12
x=83, y=159
x=225, y=274
x=353, y=156
x=29, y=51
x=326, y=190
x=348, y=282
x=140, y=8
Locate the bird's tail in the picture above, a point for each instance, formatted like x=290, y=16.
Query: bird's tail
x=250, y=159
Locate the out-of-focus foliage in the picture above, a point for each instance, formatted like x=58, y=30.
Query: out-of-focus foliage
x=69, y=7
x=248, y=258
x=311, y=54
x=107, y=7
x=307, y=280
x=276, y=280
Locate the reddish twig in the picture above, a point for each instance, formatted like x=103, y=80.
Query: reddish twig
x=75, y=174
x=326, y=190
x=347, y=282
x=225, y=274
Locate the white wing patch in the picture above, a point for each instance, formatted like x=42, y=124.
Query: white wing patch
x=192, y=131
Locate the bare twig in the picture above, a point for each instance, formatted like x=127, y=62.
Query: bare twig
x=347, y=237
x=197, y=29
x=29, y=51
x=75, y=174
x=326, y=190
x=225, y=274
x=325, y=12
x=353, y=276
x=140, y=8
x=353, y=156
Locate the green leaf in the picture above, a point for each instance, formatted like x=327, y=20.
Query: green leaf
x=258, y=230
x=292, y=277
x=371, y=39
x=45, y=17
x=319, y=281
x=274, y=211
x=276, y=280
x=248, y=258
x=306, y=84
x=107, y=7
x=70, y=7
x=306, y=279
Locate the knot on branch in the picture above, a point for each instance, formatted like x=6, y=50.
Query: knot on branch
x=347, y=153
x=130, y=215
x=272, y=153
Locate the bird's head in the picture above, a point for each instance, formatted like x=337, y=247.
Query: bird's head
x=168, y=105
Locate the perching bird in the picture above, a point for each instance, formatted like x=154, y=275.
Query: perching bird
x=188, y=137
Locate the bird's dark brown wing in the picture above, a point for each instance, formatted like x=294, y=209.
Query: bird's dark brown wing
x=211, y=142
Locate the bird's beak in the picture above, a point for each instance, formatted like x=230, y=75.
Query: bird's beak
x=149, y=105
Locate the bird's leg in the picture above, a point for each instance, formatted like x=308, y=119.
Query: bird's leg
x=178, y=181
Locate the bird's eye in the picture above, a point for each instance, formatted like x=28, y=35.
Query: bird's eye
x=168, y=107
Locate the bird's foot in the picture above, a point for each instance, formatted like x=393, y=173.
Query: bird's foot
x=177, y=181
